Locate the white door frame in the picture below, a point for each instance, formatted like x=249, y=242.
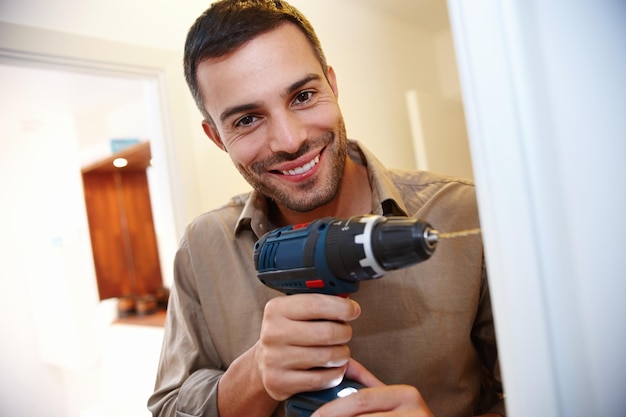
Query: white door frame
x=28, y=46
x=545, y=94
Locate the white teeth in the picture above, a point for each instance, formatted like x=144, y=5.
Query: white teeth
x=304, y=168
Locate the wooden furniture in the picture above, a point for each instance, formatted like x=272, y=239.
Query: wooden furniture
x=119, y=212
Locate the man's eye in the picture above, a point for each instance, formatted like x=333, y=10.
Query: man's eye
x=303, y=97
x=245, y=121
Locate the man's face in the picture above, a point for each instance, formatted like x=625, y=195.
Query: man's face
x=277, y=116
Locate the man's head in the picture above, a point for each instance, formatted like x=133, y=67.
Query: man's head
x=228, y=24
x=269, y=100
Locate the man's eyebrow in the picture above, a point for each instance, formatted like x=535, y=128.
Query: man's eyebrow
x=298, y=84
x=242, y=108
x=238, y=109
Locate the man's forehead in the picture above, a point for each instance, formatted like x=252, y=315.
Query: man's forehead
x=269, y=63
x=281, y=42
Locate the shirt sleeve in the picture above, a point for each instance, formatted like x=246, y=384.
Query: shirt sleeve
x=484, y=338
x=188, y=373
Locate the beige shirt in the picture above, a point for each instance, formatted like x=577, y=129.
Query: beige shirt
x=429, y=325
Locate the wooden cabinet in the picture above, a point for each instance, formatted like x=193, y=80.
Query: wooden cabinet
x=121, y=226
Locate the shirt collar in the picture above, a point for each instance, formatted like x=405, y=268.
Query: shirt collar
x=386, y=199
x=254, y=215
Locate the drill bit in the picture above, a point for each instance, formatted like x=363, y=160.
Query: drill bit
x=433, y=236
x=460, y=233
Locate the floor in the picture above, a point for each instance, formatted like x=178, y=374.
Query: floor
x=130, y=358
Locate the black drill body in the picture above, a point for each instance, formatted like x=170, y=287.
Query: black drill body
x=331, y=256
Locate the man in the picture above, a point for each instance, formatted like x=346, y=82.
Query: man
x=421, y=339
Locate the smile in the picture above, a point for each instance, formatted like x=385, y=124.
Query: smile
x=304, y=168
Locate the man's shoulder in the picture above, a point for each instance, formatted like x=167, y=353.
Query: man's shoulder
x=425, y=179
x=417, y=188
x=222, y=217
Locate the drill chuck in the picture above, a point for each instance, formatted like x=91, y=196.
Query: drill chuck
x=332, y=255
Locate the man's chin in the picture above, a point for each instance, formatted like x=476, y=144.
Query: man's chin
x=306, y=203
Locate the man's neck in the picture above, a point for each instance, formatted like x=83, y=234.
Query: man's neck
x=353, y=198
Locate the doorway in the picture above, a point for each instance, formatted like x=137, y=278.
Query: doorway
x=57, y=323
x=57, y=122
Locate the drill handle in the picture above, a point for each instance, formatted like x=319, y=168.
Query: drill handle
x=303, y=281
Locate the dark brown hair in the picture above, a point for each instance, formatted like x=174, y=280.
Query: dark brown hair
x=228, y=24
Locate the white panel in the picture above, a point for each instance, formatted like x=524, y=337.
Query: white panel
x=545, y=94
x=417, y=132
x=513, y=259
x=584, y=56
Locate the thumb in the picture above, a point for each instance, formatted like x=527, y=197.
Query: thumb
x=359, y=373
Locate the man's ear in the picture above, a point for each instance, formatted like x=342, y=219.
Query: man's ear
x=332, y=80
x=213, y=134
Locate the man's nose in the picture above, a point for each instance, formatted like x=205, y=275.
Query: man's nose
x=288, y=132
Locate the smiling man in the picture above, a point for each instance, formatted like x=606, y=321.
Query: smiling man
x=421, y=340
x=277, y=116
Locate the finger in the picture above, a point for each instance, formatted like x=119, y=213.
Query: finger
x=321, y=333
x=305, y=307
x=281, y=331
x=359, y=373
x=399, y=399
x=281, y=385
x=300, y=358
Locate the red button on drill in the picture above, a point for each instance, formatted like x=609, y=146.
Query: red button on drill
x=300, y=226
x=315, y=283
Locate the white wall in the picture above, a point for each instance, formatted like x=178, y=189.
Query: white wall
x=545, y=94
x=46, y=327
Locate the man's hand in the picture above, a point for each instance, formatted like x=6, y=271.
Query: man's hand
x=378, y=399
x=388, y=400
x=384, y=400
x=302, y=346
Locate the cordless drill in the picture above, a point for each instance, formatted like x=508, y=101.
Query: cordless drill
x=331, y=256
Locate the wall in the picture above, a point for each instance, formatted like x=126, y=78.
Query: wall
x=545, y=94
x=46, y=327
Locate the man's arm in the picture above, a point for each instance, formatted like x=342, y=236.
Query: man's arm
x=301, y=348
x=298, y=333
x=484, y=339
x=241, y=381
x=189, y=368
x=187, y=376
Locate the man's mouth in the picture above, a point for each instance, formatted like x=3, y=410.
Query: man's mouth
x=304, y=168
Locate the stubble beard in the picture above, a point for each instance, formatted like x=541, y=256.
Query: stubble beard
x=310, y=194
